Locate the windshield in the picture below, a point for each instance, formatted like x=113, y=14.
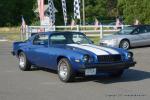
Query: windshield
x=69, y=38
x=125, y=31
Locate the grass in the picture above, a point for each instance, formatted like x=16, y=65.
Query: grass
x=13, y=34
x=95, y=39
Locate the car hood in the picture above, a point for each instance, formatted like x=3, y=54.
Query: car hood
x=90, y=48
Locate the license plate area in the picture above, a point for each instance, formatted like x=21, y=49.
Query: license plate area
x=91, y=71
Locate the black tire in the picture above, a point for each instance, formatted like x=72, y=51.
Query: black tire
x=125, y=44
x=117, y=73
x=26, y=66
x=69, y=77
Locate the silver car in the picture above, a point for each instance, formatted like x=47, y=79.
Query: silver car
x=131, y=36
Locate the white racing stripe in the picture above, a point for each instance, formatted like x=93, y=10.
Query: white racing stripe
x=90, y=48
x=111, y=51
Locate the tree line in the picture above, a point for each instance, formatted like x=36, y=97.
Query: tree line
x=129, y=10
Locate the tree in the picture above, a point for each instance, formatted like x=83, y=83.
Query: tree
x=12, y=10
x=135, y=9
x=100, y=8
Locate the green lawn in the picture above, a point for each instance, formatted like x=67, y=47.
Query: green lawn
x=95, y=39
x=10, y=33
x=13, y=34
x=16, y=37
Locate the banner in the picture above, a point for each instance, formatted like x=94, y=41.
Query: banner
x=64, y=11
x=77, y=9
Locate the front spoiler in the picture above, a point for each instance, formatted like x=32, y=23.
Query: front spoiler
x=109, y=67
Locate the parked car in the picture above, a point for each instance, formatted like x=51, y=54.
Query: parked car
x=131, y=36
x=71, y=53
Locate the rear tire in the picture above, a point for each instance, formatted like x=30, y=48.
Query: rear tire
x=24, y=64
x=117, y=73
x=125, y=44
x=65, y=71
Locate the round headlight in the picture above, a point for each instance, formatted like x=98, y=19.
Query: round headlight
x=130, y=55
x=86, y=58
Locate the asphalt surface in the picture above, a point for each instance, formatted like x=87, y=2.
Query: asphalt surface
x=45, y=85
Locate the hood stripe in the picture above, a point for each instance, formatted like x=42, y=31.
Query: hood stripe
x=111, y=51
x=91, y=49
x=97, y=48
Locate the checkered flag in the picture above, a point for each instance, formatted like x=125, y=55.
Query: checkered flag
x=64, y=10
x=51, y=12
x=77, y=9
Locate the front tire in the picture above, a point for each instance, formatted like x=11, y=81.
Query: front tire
x=24, y=64
x=65, y=71
x=125, y=44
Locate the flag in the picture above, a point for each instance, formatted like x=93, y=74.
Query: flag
x=41, y=9
x=136, y=22
x=96, y=23
x=64, y=10
x=77, y=9
x=72, y=23
x=51, y=12
x=23, y=25
x=118, y=23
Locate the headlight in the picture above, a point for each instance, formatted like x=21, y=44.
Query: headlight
x=112, y=41
x=129, y=55
x=86, y=58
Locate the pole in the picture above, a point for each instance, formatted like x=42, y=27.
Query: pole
x=83, y=5
x=101, y=31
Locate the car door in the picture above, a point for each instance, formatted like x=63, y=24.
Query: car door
x=136, y=39
x=40, y=51
x=146, y=35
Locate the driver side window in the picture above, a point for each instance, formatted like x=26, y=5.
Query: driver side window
x=136, y=31
x=41, y=39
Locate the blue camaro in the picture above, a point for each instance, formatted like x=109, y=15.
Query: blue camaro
x=71, y=54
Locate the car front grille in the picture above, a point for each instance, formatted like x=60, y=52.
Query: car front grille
x=109, y=58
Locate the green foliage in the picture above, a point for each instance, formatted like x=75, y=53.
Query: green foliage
x=135, y=9
x=100, y=9
x=12, y=10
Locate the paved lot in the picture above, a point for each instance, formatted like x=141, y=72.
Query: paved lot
x=44, y=85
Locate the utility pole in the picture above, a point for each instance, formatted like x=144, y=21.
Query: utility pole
x=83, y=6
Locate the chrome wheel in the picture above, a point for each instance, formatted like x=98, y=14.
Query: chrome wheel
x=63, y=71
x=22, y=61
x=24, y=64
x=125, y=44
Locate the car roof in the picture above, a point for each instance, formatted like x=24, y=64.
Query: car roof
x=136, y=26
x=57, y=32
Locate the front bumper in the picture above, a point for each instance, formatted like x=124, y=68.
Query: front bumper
x=109, y=44
x=108, y=67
